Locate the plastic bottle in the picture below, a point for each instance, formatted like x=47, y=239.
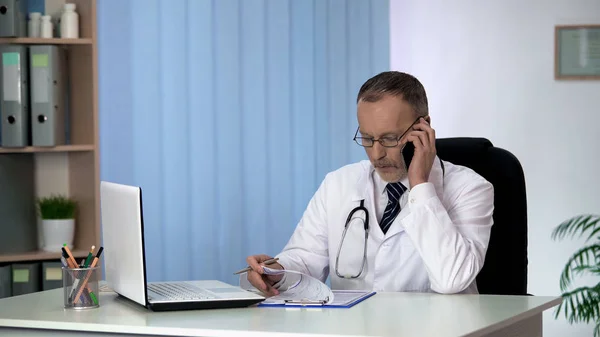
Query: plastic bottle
x=33, y=26
x=69, y=23
x=46, y=31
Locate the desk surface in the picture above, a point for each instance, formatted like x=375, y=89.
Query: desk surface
x=385, y=314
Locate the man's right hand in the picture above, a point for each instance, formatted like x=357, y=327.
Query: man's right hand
x=257, y=277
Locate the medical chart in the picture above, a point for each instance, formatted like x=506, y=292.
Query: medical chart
x=297, y=287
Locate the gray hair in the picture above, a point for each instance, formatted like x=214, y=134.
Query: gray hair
x=399, y=84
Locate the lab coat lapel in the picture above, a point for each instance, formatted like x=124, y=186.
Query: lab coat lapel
x=364, y=191
x=436, y=177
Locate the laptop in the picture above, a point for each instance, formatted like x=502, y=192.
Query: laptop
x=125, y=261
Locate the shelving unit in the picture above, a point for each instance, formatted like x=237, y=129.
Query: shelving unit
x=31, y=40
x=58, y=148
x=41, y=256
x=71, y=169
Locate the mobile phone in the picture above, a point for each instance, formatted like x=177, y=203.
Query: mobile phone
x=407, y=153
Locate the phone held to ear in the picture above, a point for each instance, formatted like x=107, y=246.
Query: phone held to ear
x=407, y=153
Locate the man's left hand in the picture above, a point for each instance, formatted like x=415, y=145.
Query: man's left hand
x=423, y=137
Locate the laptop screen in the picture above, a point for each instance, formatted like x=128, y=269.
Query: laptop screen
x=123, y=240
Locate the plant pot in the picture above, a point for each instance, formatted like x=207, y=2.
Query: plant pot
x=56, y=232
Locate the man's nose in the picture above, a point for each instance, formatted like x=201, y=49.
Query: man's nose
x=378, y=150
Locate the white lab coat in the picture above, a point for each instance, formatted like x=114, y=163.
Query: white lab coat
x=437, y=243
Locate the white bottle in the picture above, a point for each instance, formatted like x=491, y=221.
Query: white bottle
x=69, y=22
x=46, y=31
x=33, y=26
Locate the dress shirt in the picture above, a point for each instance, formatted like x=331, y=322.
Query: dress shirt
x=381, y=196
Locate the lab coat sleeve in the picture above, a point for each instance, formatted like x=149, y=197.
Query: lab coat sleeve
x=307, y=250
x=453, y=242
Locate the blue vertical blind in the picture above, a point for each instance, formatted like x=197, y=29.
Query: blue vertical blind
x=228, y=114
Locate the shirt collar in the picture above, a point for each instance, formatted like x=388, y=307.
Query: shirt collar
x=380, y=184
x=372, y=179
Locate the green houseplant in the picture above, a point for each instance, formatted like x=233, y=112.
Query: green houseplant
x=581, y=304
x=57, y=214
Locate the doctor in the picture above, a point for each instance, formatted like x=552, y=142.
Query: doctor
x=376, y=225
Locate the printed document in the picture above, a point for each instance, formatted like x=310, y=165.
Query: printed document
x=302, y=289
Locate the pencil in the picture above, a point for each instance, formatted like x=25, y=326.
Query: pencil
x=71, y=258
x=89, y=274
x=69, y=264
x=266, y=263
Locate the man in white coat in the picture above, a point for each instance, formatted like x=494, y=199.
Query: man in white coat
x=428, y=225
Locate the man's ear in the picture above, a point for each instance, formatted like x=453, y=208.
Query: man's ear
x=427, y=119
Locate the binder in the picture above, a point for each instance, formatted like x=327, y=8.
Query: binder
x=25, y=278
x=47, y=89
x=51, y=275
x=5, y=281
x=13, y=18
x=14, y=98
x=18, y=218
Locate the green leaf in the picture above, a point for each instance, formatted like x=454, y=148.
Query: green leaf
x=56, y=207
x=581, y=304
x=595, y=270
x=578, y=225
x=585, y=259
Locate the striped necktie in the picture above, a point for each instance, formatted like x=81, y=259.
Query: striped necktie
x=394, y=191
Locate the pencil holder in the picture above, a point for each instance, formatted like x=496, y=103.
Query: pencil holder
x=80, y=288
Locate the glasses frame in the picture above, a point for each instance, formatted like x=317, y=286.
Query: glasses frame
x=380, y=140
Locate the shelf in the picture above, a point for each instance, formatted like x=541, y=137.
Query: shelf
x=72, y=169
x=35, y=149
x=39, y=256
x=35, y=40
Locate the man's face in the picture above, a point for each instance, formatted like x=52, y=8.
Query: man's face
x=388, y=117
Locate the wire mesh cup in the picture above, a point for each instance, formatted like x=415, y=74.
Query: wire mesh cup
x=80, y=288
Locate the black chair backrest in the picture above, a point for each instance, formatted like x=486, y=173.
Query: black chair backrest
x=505, y=268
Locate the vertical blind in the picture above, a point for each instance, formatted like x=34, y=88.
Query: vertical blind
x=228, y=114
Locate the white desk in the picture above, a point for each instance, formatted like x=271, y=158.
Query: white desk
x=385, y=314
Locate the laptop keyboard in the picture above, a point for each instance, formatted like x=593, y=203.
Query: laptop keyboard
x=176, y=291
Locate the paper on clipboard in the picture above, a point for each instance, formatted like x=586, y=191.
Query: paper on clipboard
x=299, y=289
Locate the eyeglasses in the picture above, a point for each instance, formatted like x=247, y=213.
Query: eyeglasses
x=384, y=141
x=369, y=142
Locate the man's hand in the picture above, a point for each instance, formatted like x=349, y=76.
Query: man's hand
x=257, y=278
x=423, y=137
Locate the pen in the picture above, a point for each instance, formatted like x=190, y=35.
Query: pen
x=89, y=257
x=247, y=269
x=70, y=262
x=66, y=263
x=87, y=277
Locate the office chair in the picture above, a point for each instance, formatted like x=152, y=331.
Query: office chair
x=505, y=269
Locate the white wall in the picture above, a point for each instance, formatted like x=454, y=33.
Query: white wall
x=488, y=67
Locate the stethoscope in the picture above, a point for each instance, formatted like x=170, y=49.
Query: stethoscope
x=366, y=225
x=359, y=208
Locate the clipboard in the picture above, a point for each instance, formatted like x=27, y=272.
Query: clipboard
x=318, y=304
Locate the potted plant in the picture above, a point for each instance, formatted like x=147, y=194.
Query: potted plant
x=57, y=215
x=581, y=304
